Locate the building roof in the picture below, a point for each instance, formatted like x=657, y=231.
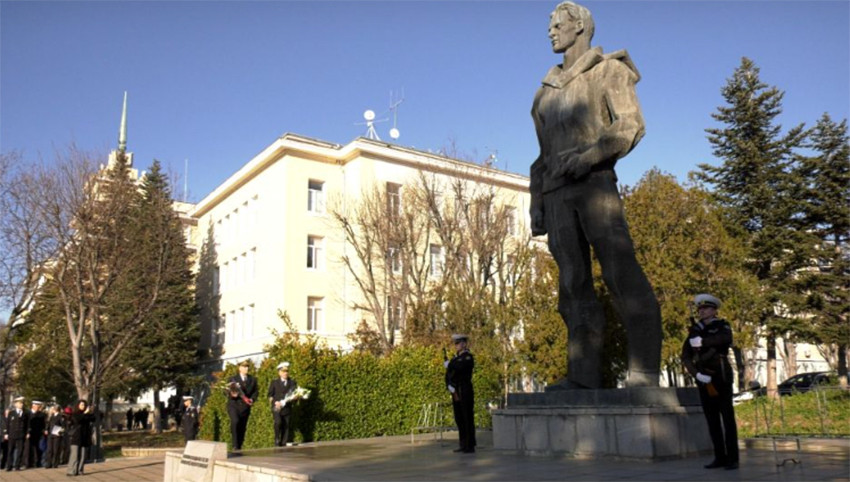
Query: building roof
x=341, y=154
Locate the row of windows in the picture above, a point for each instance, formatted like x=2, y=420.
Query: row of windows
x=237, y=224
x=316, y=202
x=234, y=326
x=238, y=325
x=236, y=272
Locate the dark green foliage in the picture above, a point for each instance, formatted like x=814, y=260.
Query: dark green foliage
x=685, y=249
x=826, y=287
x=758, y=188
x=164, y=352
x=354, y=395
x=43, y=373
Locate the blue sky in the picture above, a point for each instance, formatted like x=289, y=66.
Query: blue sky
x=216, y=82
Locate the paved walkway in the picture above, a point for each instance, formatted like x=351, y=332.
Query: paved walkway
x=129, y=469
x=394, y=458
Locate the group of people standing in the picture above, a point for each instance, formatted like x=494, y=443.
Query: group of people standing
x=33, y=439
x=243, y=391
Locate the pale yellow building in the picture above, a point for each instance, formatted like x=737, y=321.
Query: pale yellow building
x=268, y=238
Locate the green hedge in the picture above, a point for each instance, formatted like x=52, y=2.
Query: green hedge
x=354, y=395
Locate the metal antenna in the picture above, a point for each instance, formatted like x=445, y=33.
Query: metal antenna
x=371, y=133
x=394, y=132
x=185, y=180
x=369, y=116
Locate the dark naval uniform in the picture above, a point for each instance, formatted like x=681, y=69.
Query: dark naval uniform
x=32, y=448
x=459, y=378
x=278, y=390
x=239, y=411
x=17, y=426
x=716, y=396
x=189, y=423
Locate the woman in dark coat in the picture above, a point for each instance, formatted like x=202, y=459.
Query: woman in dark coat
x=79, y=437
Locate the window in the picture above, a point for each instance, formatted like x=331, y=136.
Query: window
x=395, y=315
x=243, y=268
x=315, y=319
x=239, y=334
x=510, y=220
x=314, y=252
x=250, y=264
x=394, y=259
x=510, y=261
x=216, y=288
x=228, y=325
x=393, y=199
x=249, y=321
x=225, y=276
x=436, y=268
x=315, y=196
x=217, y=332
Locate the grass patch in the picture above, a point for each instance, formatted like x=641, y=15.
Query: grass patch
x=825, y=413
x=114, y=441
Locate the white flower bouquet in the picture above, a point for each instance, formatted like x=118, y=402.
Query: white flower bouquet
x=299, y=393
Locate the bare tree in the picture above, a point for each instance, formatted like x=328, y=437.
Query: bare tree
x=80, y=234
x=25, y=246
x=441, y=253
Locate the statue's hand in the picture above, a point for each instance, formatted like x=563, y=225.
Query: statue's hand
x=576, y=166
x=538, y=227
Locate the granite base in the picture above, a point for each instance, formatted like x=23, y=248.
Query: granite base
x=645, y=424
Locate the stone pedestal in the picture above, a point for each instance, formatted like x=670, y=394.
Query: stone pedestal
x=196, y=463
x=631, y=423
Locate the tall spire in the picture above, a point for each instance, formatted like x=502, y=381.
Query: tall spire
x=122, y=132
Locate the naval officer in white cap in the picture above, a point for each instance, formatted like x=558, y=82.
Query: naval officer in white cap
x=705, y=357
x=279, y=390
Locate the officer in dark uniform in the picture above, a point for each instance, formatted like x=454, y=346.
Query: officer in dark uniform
x=4, y=442
x=189, y=419
x=17, y=426
x=704, y=355
x=242, y=389
x=37, y=430
x=279, y=389
x=459, y=383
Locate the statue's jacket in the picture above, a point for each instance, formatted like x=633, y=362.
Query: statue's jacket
x=592, y=104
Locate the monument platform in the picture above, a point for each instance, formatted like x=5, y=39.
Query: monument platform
x=646, y=424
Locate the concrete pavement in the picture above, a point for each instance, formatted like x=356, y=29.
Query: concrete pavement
x=395, y=458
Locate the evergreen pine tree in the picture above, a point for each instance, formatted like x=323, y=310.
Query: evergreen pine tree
x=165, y=352
x=756, y=186
x=827, y=215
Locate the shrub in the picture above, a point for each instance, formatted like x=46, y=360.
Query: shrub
x=353, y=395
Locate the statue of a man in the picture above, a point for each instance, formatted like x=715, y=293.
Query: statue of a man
x=587, y=117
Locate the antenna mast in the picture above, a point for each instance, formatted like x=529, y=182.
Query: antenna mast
x=185, y=180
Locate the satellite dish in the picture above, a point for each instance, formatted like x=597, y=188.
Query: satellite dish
x=369, y=115
x=394, y=133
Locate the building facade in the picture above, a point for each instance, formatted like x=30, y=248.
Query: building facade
x=267, y=243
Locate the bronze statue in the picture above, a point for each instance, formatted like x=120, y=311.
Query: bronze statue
x=587, y=117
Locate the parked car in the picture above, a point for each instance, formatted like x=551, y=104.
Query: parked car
x=803, y=382
x=800, y=383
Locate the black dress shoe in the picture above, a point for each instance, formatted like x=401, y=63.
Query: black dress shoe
x=732, y=466
x=458, y=450
x=715, y=464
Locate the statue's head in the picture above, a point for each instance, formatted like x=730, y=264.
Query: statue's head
x=568, y=24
